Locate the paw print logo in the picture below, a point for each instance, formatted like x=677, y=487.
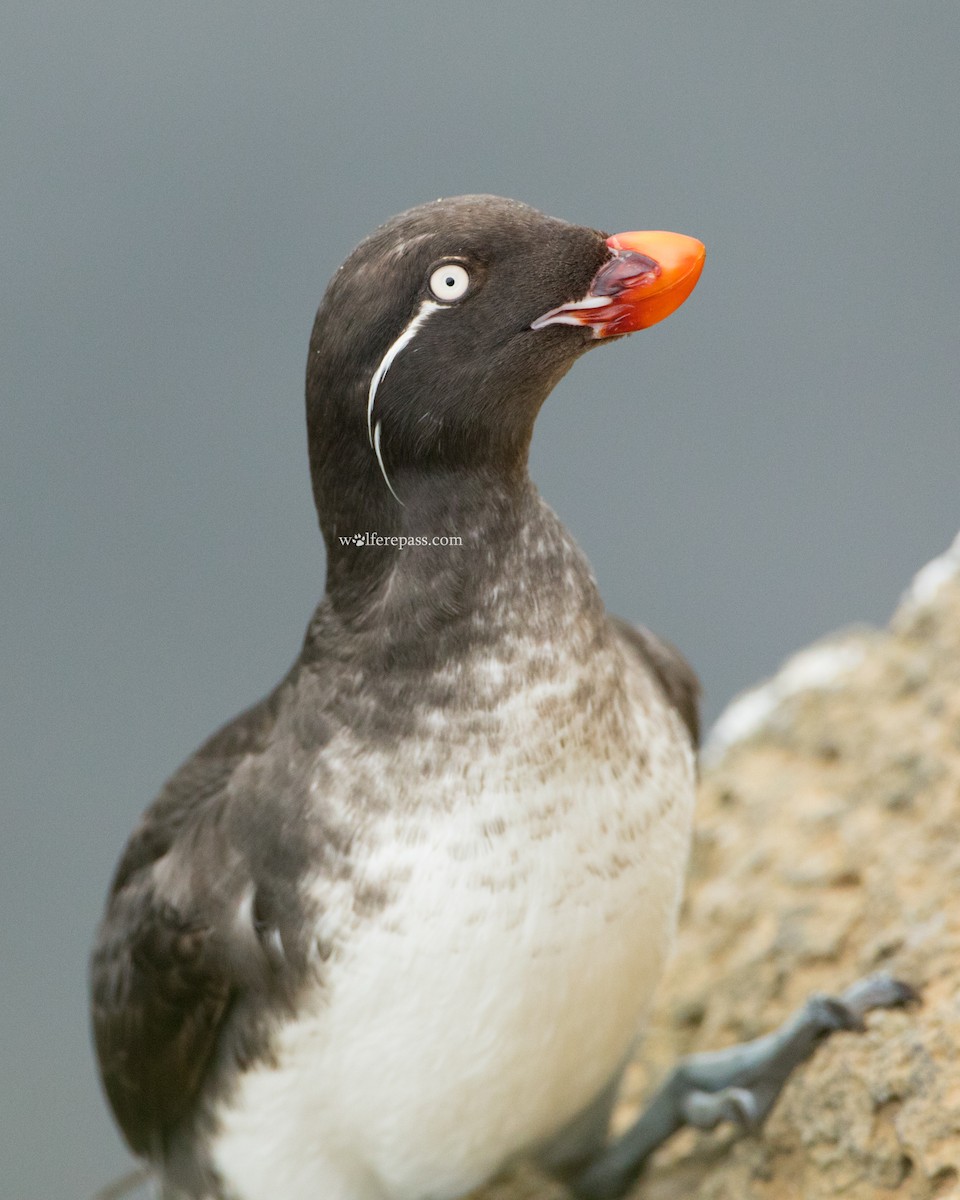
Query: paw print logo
x=358, y=539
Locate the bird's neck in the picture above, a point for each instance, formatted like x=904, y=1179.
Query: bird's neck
x=446, y=528
x=506, y=558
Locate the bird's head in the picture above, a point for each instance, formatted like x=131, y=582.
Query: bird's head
x=444, y=331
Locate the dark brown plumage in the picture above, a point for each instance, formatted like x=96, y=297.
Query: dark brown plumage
x=227, y=916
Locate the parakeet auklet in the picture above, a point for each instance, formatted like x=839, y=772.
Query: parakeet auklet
x=398, y=923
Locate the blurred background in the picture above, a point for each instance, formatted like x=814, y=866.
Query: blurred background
x=178, y=184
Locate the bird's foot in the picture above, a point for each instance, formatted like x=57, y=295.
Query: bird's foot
x=739, y=1085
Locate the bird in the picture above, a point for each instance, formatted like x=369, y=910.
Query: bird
x=398, y=924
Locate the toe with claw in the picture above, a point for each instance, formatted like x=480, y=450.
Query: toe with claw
x=740, y=1084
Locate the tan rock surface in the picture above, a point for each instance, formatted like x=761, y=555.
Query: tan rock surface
x=827, y=846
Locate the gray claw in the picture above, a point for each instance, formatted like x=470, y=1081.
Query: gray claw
x=740, y=1108
x=879, y=991
x=705, y=1110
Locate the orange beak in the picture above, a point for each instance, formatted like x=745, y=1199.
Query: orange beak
x=646, y=278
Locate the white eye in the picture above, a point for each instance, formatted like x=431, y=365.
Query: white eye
x=449, y=282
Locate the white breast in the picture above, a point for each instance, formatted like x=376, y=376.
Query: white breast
x=532, y=904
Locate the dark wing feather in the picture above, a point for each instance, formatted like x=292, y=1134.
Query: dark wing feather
x=158, y=1003
x=670, y=669
x=171, y=956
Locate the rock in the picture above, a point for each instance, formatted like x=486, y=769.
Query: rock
x=827, y=846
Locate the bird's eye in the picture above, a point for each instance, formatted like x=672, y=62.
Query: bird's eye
x=449, y=282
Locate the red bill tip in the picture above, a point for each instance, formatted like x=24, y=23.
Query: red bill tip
x=648, y=276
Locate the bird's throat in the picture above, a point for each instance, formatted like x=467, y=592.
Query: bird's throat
x=428, y=557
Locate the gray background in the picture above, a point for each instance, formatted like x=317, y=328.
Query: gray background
x=178, y=183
